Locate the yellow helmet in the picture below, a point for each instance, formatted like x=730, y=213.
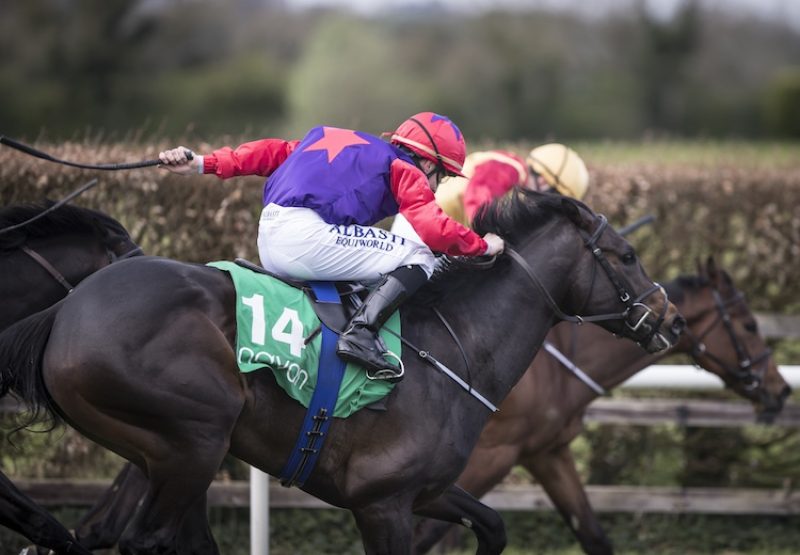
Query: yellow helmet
x=562, y=168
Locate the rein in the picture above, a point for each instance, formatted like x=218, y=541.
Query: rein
x=572, y=367
x=42, y=261
x=29, y=150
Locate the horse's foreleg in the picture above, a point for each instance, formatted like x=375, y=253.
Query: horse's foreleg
x=172, y=518
x=487, y=466
x=555, y=471
x=105, y=522
x=459, y=507
x=385, y=527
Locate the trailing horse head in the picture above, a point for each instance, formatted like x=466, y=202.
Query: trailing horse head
x=607, y=285
x=24, y=223
x=45, y=252
x=723, y=337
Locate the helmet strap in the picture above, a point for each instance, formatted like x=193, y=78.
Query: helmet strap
x=556, y=174
x=417, y=159
x=433, y=144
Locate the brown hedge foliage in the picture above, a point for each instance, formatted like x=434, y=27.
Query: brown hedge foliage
x=747, y=218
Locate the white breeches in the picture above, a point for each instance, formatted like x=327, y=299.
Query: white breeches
x=296, y=243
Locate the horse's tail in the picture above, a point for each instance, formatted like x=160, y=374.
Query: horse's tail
x=22, y=348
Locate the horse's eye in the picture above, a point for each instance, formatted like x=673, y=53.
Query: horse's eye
x=751, y=326
x=628, y=258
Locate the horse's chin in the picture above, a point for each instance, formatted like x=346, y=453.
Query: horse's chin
x=658, y=344
x=767, y=416
x=767, y=413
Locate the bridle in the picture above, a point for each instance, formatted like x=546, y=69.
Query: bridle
x=747, y=372
x=59, y=277
x=41, y=260
x=623, y=290
x=620, y=284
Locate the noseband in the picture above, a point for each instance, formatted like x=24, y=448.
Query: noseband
x=617, y=281
x=745, y=372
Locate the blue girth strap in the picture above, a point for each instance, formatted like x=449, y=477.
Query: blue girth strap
x=320, y=410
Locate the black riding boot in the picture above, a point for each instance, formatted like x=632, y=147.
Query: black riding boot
x=359, y=343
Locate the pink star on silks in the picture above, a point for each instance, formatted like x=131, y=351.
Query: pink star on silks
x=334, y=140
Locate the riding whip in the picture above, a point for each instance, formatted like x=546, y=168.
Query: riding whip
x=630, y=228
x=109, y=167
x=55, y=206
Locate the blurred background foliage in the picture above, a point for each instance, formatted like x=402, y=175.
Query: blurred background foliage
x=208, y=67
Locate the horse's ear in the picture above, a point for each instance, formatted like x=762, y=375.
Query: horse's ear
x=99, y=227
x=572, y=212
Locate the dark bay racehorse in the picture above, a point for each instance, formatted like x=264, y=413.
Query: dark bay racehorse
x=40, y=262
x=544, y=412
x=141, y=359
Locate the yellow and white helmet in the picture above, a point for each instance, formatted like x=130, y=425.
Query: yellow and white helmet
x=562, y=168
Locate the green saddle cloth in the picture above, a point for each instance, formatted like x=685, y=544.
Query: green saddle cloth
x=273, y=322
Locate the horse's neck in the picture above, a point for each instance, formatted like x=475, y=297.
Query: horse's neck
x=504, y=319
x=606, y=359
x=694, y=306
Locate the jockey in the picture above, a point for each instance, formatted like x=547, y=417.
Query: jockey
x=548, y=168
x=324, y=193
x=557, y=168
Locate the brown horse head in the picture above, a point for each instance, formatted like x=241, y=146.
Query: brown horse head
x=725, y=340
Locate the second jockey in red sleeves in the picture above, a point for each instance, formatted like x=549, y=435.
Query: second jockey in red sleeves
x=322, y=198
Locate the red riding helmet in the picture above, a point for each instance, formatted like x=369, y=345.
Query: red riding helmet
x=434, y=138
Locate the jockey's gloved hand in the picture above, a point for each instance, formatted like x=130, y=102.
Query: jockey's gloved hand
x=181, y=160
x=495, y=244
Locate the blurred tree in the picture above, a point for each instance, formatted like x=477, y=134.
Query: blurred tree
x=711, y=456
x=664, y=57
x=782, y=104
x=352, y=75
x=73, y=54
x=527, y=75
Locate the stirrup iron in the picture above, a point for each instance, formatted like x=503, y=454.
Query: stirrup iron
x=386, y=374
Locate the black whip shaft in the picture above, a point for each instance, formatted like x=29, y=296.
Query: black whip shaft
x=630, y=228
x=108, y=167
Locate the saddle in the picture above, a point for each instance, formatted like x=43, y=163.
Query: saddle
x=335, y=316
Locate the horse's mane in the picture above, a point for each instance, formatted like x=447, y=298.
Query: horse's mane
x=513, y=217
x=519, y=213
x=676, y=288
x=65, y=219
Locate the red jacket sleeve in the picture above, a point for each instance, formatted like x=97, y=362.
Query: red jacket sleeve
x=417, y=203
x=254, y=158
x=491, y=179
